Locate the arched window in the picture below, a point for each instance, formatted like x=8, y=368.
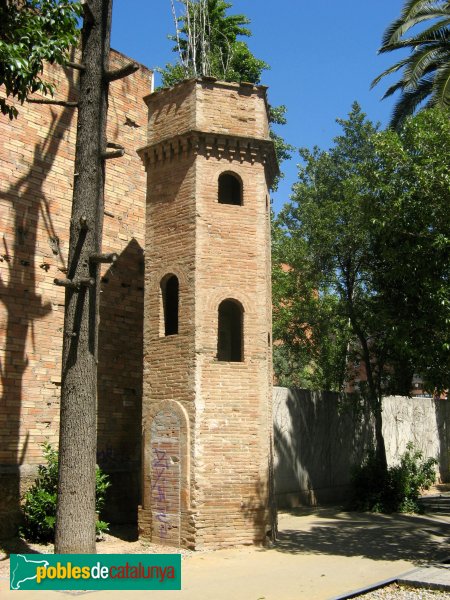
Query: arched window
x=230, y=339
x=230, y=189
x=170, y=299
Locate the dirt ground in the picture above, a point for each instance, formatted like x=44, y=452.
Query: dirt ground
x=122, y=540
x=320, y=553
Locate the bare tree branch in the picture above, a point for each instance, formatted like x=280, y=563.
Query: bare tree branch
x=55, y=102
x=76, y=66
x=115, y=74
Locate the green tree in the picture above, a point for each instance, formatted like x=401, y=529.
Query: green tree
x=322, y=236
x=33, y=32
x=408, y=209
x=283, y=150
x=367, y=242
x=310, y=330
x=207, y=44
x=426, y=70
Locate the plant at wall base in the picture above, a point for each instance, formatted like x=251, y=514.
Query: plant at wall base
x=398, y=488
x=39, y=508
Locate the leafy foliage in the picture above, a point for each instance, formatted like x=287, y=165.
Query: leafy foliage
x=408, y=211
x=365, y=244
x=33, y=32
x=207, y=44
x=426, y=71
x=321, y=299
x=398, y=488
x=39, y=508
x=283, y=150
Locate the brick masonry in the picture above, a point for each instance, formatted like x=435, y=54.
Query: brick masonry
x=216, y=479
x=206, y=425
x=36, y=176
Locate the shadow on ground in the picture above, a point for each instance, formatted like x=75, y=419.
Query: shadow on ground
x=126, y=533
x=15, y=546
x=413, y=538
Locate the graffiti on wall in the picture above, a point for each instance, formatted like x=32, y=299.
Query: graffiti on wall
x=165, y=477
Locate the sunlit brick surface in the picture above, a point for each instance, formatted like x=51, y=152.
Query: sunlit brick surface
x=36, y=180
x=198, y=130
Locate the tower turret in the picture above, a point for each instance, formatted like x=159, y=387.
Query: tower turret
x=207, y=418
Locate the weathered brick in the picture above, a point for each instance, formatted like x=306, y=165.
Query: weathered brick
x=217, y=251
x=36, y=179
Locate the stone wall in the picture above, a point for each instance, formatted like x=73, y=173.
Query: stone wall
x=318, y=438
x=36, y=175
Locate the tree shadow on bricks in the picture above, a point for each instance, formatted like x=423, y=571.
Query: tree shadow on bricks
x=29, y=232
x=378, y=537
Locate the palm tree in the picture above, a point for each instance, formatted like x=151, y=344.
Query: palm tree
x=426, y=71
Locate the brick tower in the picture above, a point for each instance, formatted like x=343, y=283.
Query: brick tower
x=207, y=418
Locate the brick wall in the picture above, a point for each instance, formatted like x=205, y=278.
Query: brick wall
x=36, y=175
x=217, y=251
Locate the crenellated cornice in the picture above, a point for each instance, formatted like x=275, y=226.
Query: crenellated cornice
x=221, y=146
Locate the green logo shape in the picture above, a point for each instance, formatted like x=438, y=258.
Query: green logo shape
x=95, y=572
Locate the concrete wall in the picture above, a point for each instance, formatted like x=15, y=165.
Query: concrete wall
x=318, y=437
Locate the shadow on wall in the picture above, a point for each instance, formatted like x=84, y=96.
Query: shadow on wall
x=317, y=439
x=442, y=410
x=259, y=510
x=23, y=305
x=120, y=372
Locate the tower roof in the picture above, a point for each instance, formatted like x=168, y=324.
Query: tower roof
x=227, y=120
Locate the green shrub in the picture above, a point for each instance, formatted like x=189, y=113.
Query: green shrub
x=39, y=508
x=396, y=489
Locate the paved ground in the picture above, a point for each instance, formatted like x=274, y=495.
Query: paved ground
x=321, y=554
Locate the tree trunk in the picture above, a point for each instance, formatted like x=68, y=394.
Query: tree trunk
x=75, y=521
x=380, y=448
x=375, y=399
x=375, y=405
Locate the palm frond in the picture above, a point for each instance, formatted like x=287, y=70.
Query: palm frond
x=389, y=71
x=392, y=89
x=425, y=70
x=441, y=87
x=411, y=12
x=409, y=101
x=421, y=63
x=438, y=34
x=439, y=31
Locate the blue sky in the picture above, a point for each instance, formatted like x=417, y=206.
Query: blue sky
x=323, y=56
